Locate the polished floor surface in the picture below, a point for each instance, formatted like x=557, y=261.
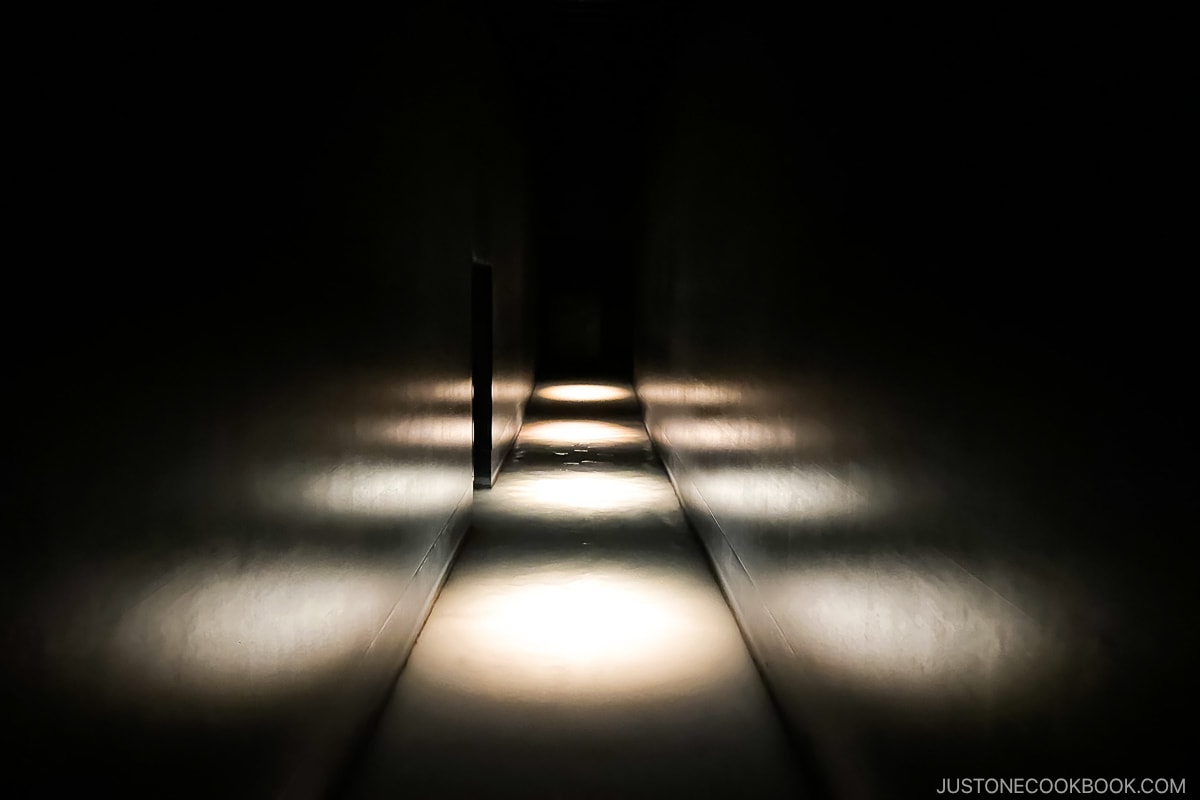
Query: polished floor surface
x=581, y=646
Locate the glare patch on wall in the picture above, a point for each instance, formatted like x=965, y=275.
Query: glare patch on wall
x=417, y=431
x=741, y=434
x=785, y=494
x=584, y=392
x=694, y=394
x=360, y=488
x=453, y=392
x=230, y=635
x=510, y=390
x=913, y=629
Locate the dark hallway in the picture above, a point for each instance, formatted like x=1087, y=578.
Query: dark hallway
x=590, y=399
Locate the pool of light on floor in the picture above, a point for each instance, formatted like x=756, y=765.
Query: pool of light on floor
x=568, y=493
x=584, y=392
x=570, y=432
x=581, y=633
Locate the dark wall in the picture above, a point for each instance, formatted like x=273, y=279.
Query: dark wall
x=504, y=243
x=588, y=77
x=896, y=360
x=239, y=385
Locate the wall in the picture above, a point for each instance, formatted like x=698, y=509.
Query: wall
x=240, y=388
x=895, y=395
x=503, y=243
x=586, y=77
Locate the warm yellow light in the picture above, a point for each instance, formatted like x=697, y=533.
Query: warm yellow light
x=577, y=620
x=584, y=392
x=621, y=492
x=582, y=634
x=567, y=432
x=445, y=431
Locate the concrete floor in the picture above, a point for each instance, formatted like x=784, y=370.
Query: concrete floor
x=581, y=646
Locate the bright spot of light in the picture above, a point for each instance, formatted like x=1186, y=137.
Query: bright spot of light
x=580, y=431
x=584, y=392
x=580, y=635
x=578, y=620
x=619, y=491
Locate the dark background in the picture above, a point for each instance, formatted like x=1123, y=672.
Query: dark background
x=998, y=176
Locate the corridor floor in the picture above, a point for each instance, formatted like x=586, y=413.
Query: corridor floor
x=581, y=647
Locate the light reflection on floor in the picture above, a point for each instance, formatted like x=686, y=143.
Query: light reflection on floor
x=581, y=633
x=573, y=628
x=581, y=646
x=692, y=394
x=629, y=493
x=569, y=432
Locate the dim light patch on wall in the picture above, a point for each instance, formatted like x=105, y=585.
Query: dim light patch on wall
x=742, y=434
x=695, y=394
x=360, y=488
x=785, y=494
x=226, y=635
x=408, y=430
x=454, y=392
x=511, y=390
x=913, y=629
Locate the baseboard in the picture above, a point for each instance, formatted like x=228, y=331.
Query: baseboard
x=321, y=756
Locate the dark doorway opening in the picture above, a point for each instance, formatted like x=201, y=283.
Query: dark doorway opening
x=481, y=372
